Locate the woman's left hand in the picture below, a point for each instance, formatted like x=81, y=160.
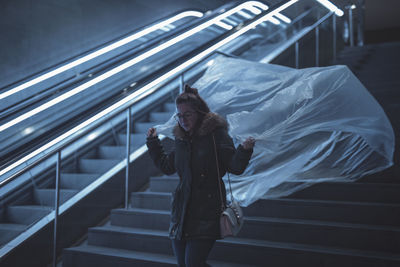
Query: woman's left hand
x=249, y=143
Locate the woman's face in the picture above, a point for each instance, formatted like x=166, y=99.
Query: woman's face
x=187, y=117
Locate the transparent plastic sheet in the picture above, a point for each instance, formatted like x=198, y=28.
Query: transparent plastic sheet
x=310, y=125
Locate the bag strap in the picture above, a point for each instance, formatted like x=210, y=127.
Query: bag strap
x=219, y=177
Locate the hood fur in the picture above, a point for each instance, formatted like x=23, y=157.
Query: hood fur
x=210, y=122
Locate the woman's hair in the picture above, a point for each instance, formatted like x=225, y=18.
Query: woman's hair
x=191, y=96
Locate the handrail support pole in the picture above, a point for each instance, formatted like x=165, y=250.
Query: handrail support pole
x=296, y=52
x=351, y=26
x=128, y=145
x=317, y=46
x=56, y=207
x=181, y=83
x=334, y=36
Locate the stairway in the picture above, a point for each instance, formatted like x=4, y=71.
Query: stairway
x=37, y=199
x=328, y=224
x=326, y=230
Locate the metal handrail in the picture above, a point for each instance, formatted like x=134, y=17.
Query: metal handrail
x=6, y=169
x=197, y=24
x=120, y=106
x=100, y=47
x=295, y=41
x=51, y=89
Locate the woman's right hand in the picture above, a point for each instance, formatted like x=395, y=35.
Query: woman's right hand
x=249, y=143
x=151, y=132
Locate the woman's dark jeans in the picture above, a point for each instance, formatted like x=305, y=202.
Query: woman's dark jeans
x=192, y=252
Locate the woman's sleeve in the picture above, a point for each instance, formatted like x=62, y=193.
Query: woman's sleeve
x=164, y=162
x=234, y=160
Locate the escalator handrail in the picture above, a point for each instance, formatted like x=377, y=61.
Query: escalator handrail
x=198, y=23
x=159, y=39
x=297, y=37
x=121, y=106
x=77, y=132
x=88, y=53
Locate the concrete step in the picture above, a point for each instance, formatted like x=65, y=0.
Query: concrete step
x=76, y=181
x=376, y=79
x=312, y=232
x=141, y=218
x=160, y=117
x=379, y=70
x=327, y=210
x=241, y=250
x=26, y=214
x=307, y=209
x=137, y=140
x=323, y=233
x=95, y=256
x=97, y=165
x=151, y=200
x=163, y=184
x=8, y=231
x=130, y=238
x=143, y=127
x=377, y=49
x=352, y=55
x=380, y=59
x=351, y=191
x=112, y=152
x=378, y=66
x=390, y=176
x=389, y=87
x=46, y=196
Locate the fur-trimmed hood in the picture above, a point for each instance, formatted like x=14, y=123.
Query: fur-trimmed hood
x=210, y=122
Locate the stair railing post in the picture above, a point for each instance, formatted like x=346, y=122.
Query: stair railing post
x=181, y=83
x=56, y=205
x=296, y=53
x=128, y=145
x=334, y=36
x=350, y=8
x=317, y=46
x=360, y=22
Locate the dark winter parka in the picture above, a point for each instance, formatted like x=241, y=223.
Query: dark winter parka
x=196, y=203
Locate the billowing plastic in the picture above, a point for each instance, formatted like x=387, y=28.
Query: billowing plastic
x=310, y=125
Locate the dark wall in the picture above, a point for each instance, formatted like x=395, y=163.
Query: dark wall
x=36, y=34
x=382, y=21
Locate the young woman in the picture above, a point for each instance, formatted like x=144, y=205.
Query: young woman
x=196, y=204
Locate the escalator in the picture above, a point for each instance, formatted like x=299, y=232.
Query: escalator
x=87, y=132
x=25, y=107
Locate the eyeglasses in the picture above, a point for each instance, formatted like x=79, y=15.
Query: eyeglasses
x=187, y=115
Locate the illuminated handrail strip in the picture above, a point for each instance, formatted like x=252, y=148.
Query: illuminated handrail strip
x=224, y=25
x=283, y=18
x=331, y=7
x=128, y=64
x=244, y=14
x=100, y=52
x=145, y=90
